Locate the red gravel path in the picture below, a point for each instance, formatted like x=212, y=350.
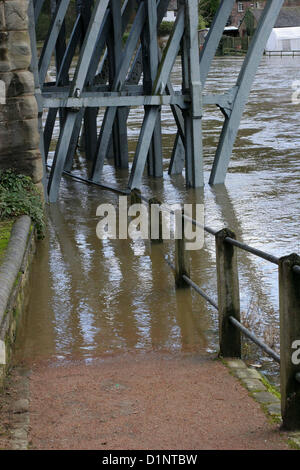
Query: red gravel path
x=145, y=401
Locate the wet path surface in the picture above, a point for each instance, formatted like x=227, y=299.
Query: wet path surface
x=144, y=401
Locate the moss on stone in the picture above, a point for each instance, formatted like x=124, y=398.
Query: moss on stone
x=270, y=387
x=5, y=230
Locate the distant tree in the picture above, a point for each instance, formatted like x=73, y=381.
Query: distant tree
x=208, y=9
x=45, y=19
x=201, y=22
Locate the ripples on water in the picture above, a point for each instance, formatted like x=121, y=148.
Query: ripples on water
x=91, y=296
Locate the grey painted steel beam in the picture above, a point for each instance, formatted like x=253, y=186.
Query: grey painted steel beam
x=100, y=96
x=151, y=114
x=50, y=42
x=64, y=68
x=192, y=83
x=90, y=117
x=133, y=77
x=82, y=94
x=66, y=134
x=244, y=84
x=60, y=49
x=206, y=56
x=61, y=155
x=150, y=68
x=97, y=100
x=120, y=143
x=126, y=12
x=110, y=114
x=72, y=125
x=38, y=5
x=213, y=37
x=88, y=47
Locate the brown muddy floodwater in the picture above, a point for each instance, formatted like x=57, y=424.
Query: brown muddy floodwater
x=90, y=297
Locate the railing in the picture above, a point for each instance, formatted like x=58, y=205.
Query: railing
x=283, y=53
x=228, y=306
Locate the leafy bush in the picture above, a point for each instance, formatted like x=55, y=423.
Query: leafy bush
x=43, y=26
x=201, y=22
x=44, y=20
x=125, y=37
x=165, y=28
x=19, y=196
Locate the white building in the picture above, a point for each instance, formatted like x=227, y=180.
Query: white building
x=284, y=40
x=170, y=16
x=172, y=10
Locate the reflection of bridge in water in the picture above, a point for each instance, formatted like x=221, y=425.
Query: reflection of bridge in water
x=108, y=74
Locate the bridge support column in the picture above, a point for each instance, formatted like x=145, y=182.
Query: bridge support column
x=19, y=136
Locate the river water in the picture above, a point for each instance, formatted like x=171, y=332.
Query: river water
x=91, y=297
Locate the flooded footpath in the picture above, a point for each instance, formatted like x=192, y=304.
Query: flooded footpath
x=94, y=300
x=92, y=296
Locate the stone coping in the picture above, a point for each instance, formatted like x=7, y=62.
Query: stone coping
x=253, y=381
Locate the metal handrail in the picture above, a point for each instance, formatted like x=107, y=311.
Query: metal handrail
x=268, y=257
x=255, y=340
x=243, y=246
x=200, y=291
x=233, y=320
x=261, y=254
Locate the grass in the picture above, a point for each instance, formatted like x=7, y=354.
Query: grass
x=19, y=196
x=5, y=229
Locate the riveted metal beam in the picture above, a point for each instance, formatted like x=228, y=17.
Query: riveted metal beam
x=243, y=85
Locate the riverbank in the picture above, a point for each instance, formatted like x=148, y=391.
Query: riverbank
x=17, y=250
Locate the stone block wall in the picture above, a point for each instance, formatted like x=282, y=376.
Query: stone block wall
x=19, y=136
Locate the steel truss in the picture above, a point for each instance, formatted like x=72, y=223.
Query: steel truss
x=108, y=73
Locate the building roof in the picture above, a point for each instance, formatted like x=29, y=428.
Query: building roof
x=287, y=33
x=172, y=5
x=289, y=17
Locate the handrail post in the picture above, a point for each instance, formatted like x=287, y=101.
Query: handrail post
x=155, y=214
x=289, y=307
x=182, y=262
x=228, y=295
x=135, y=196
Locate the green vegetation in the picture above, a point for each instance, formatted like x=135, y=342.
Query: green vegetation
x=5, y=229
x=201, y=22
x=249, y=22
x=19, y=196
x=45, y=19
x=208, y=9
x=270, y=387
x=165, y=28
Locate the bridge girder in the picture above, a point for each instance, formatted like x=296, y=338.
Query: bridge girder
x=108, y=72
